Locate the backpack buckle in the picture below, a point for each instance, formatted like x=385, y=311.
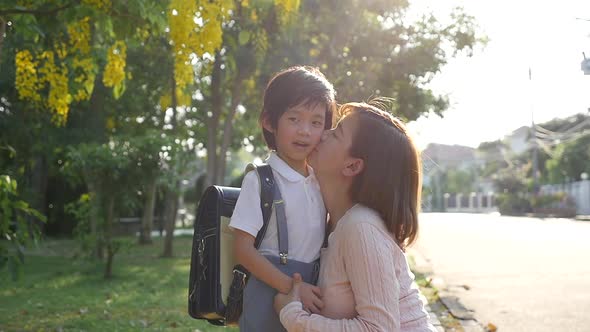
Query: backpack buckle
x=283, y=258
x=240, y=274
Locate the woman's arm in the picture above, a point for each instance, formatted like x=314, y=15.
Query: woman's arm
x=369, y=263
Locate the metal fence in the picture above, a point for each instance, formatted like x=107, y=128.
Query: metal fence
x=579, y=191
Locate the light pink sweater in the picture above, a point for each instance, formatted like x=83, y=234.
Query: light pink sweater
x=365, y=280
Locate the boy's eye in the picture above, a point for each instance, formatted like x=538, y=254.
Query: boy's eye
x=318, y=123
x=292, y=119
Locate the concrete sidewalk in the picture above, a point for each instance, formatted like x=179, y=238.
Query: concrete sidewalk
x=448, y=308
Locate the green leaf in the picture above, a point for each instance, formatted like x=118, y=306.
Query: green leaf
x=118, y=90
x=244, y=37
x=11, y=151
x=21, y=205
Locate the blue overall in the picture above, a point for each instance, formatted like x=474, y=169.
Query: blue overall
x=258, y=314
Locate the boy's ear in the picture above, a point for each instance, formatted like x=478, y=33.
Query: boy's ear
x=353, y=167
x=267, y=125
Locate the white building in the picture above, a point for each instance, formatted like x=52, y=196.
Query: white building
x=518, y=140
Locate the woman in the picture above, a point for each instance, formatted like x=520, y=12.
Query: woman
x=370, y=177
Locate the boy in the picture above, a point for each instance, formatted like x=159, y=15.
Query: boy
x=297, y=108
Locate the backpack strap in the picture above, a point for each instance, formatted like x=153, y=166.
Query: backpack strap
x=270, y=196
x=267, y=189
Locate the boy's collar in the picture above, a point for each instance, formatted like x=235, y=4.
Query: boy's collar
x=284, y=169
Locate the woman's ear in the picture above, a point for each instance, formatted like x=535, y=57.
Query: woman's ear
x=353, y=167
x=267, y=125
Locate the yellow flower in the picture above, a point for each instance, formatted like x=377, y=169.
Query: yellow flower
x=27, y=80
x=286, y=10
x=25, y=3
x=60, y=49
x=79, y=33
x=114, y=71
x=85, y=71
x=165, y=101
x=195, y=37
x=56, y=77
x=103, y=5
x=110, y=123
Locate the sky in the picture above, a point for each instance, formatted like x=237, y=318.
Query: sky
x=490, y=93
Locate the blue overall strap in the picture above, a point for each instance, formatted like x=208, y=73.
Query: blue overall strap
x=281, y=217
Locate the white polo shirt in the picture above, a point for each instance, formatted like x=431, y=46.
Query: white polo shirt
x=304, y=208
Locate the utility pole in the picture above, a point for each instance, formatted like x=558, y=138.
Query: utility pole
x=438, y=192
x=535, y=146
x=585, y=64
x=535, y=161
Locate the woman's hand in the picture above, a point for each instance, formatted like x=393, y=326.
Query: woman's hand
x=310, y=296
x=281, y=300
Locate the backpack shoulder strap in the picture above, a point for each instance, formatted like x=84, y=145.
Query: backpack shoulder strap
x=267, y=185
x=240, y=273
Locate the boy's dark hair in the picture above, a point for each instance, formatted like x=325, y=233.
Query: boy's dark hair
x=292, y=87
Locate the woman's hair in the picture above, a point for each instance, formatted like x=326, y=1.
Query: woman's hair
x=390, y=181
x=294, y=86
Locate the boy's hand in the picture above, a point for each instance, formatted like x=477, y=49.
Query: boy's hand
x=311, y=298
x=281, y=300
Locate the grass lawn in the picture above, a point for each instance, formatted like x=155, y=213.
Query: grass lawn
x=60, y=293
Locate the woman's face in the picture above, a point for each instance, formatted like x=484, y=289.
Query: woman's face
x=332, y=155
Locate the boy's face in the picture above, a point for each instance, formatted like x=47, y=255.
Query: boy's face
x=298, y=131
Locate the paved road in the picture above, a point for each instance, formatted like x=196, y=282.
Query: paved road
x=523, y=274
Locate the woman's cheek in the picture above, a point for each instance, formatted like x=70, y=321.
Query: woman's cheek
x=320, y=133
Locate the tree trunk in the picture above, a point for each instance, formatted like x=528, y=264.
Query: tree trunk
x=108, y=271
x=2, y=32
x=174, y=101
x=170, y=198
x=170, y=209
x=228, y=127
x=213, y=122
x=39, y=190
x=94, y=217
x=161, y=218
x=96, y=118
x=147, y=220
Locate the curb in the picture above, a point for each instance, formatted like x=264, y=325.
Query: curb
x=433, y=318
x=448, y=304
